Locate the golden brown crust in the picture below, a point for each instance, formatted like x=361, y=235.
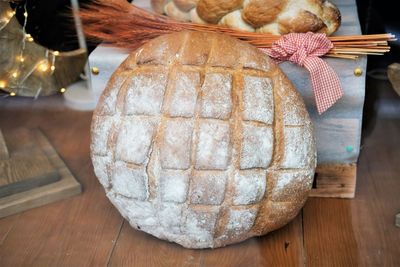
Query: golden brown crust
x=173, y=11
x=185, y=5
x=331, y=16
x=197, y=56
x=234, y=20
x=158, y=5
x=264, y=16
x=260, y=12
x=213, y=10
x=304, y=22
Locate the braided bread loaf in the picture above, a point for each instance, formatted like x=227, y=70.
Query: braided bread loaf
x=264, y=16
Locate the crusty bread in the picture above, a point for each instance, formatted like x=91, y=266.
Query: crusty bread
x=264, y=16
x=200, y=139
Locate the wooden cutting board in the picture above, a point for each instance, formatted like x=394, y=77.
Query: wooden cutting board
x=31, y=172
x=23, y=164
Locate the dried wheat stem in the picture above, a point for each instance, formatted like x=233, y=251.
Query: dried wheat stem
x=125, y=25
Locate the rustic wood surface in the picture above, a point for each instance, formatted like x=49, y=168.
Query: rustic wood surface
x=87, y=231
x=335, y=180
x=40, y=190
x=3, y=148
x=27, y=166
x=397, y=220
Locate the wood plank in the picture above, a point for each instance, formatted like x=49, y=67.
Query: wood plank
x=3, y=148
x=283, y=247
x=136, y=248
x=27, y=166
x=380, y=190
x=328, y=233
x=339, y=139
x=361, y=231
x=65, y=187
x=80, y=231
x=335, y=180
x=6, y=224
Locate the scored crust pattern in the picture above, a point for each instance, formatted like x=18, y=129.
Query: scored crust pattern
x=202, y=147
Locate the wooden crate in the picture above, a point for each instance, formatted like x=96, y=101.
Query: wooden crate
x=338, y=131
x=335, y=180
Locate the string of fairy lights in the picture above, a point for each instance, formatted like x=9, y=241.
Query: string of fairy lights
x=22, y=68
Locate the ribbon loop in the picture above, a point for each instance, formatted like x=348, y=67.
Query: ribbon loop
x=304, y=49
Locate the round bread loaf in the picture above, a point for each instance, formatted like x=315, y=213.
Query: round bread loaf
x=200, y=139
x=264, y=16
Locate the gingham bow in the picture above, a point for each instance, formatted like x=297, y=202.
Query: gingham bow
x=305, y=49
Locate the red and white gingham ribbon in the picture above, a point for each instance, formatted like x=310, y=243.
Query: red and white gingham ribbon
x=304, y=49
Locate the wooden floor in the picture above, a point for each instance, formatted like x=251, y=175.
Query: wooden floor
x=88, y=231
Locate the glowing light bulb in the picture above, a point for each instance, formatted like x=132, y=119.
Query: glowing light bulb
x=62, y=90
x=25, y=14
x=43, y=67
x=52, y=67
x=29, y=37
x=21, y=59
x=3, y=84
x=10, y=14
x=12, y=94
x=56, y=53
x=14, y=74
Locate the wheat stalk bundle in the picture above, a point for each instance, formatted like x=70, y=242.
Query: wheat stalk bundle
x=124, y=25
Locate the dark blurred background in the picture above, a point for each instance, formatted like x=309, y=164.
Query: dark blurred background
x=380, y=16
x=381, y=101
x=50, y=22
